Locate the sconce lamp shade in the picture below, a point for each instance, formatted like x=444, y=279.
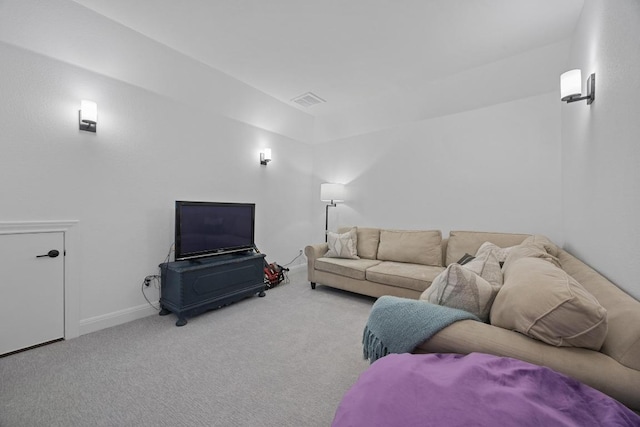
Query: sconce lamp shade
x=265, y=156
x=570, y=84
x=88, y=115
x=571, y=87
x=332, y=192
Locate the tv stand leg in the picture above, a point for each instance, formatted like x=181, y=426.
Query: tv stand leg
x=261, y=294
x=181, y=321
x=313, y=285
x=164, y=312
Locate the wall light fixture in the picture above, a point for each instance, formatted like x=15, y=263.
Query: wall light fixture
x=265, y=156
x=571, y=87
x=88, y=115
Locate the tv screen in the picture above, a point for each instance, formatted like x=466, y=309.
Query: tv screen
x=211, y=228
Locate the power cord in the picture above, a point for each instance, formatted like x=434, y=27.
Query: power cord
x=171, y=249
x=146, y=283
x=284, y=271
x=291, y=262
x=155, y=279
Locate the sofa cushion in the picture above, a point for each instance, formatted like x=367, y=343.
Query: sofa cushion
x=354, y=268
x=417, y=247
x=368, y=240
x=417, y=277
x=542, y=301
x=461, y=242
x=544, y=242
x=343, y=245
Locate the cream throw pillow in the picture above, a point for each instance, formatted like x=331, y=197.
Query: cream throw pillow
x=542, y=301
x=471, y=287
x=343, y=245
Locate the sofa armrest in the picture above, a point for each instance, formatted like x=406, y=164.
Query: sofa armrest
x=589, y=366
x=312, y=253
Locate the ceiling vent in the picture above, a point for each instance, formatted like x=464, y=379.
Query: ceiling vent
x=308, y=99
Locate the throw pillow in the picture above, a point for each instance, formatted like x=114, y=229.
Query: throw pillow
x=368, y=240
x=465, y=259
x=501, y=253
x=487, y=266
x=542, y=301
x=458, y=287
x=343, y=245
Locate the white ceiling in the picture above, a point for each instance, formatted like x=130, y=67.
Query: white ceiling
x=345, y=51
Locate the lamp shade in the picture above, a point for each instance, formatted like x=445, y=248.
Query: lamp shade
x=88, y=112
x=331, y=192
x=570, y=84
x=267, y=154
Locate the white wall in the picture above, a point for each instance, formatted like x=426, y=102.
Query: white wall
x=520, y=76
x=601, y=144
x=495, y=168
x=155, y=143
x=69, y=32
x=171, y=128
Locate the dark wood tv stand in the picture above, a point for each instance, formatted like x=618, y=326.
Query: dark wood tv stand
x=191, y=287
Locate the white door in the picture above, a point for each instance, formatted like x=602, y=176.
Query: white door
x=31, y=289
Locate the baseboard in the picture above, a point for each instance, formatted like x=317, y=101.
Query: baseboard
x=116, y=318
x=108, y=320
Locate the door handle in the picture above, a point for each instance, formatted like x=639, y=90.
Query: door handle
x=51, y=254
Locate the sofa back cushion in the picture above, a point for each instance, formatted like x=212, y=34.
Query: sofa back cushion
x=543, y=242
x=530, y=250
x=368, y=240
x=468, y=242
x=417, y=247
x=542, y=301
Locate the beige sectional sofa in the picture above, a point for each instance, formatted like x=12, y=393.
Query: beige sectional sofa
x=387, y=264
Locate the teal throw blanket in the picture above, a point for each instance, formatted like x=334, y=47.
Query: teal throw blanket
x=398, y=325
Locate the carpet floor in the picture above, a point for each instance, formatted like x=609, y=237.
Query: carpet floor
x=282, y=360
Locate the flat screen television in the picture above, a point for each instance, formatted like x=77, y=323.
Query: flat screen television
x=212, y=228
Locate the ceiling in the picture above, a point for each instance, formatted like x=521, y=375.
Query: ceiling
x=345, y=51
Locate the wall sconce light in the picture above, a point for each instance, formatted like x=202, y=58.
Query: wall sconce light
x=571, y=87
x=88, y=115
x=332, y=193
x=265, y=156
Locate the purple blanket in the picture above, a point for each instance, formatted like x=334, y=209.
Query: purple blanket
x=473, y=390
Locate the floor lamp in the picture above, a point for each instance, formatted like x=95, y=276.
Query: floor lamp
x=332, y=193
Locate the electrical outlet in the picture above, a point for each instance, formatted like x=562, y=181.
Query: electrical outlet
x=147, y=281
